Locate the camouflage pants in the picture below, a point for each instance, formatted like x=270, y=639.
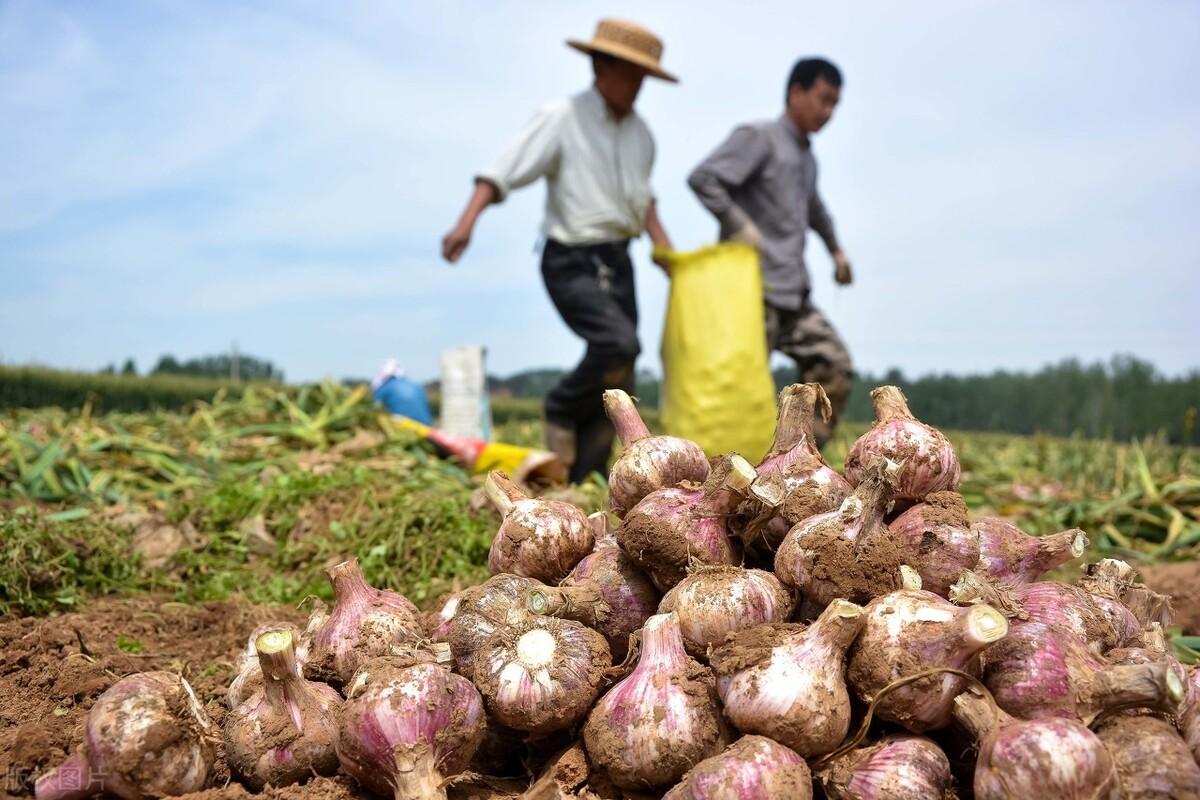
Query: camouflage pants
x=807, y=337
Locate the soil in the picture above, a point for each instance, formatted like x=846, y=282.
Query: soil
x=53, y=669
x=1181, y=581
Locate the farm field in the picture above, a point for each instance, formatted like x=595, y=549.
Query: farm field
x=159, y=540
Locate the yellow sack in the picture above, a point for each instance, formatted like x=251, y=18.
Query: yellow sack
x=717, y=385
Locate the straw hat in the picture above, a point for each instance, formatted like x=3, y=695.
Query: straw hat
x=628, y=42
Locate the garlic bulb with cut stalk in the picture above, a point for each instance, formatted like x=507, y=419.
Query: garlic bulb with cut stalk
x=541, y=674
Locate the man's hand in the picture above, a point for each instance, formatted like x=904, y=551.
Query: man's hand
x=747, y=233
x=455, y=242
x=841, y=269
x=660, y=254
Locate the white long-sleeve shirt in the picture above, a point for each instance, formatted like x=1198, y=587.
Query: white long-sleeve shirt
x=597, y=169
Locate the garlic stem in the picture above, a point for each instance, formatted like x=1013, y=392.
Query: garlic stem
x=890, y=403
x=623, y=414
x=503, y=492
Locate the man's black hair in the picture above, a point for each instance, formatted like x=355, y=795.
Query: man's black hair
x=805, y=74
x=602, y=58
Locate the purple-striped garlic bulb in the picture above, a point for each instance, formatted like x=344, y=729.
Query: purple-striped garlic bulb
x=908, y=632
x=405, y=729
x=848, y=553
x=1034, y=758
x=897, y=767
x=1066, y=609
x=365, y=622
x=794, y=481
x=713, y=602
x=788, y=682
x=1010, y=556
x=484, y=608
x=671, y=529
x=647, y=463
x=628, y=592
x=936, y=540
x=1038, y=671
x=541, y=674
x=752, y=768
x=927, y=462
x=659, y=722
x=146, y=736
x=286, y=731
x=541, y=539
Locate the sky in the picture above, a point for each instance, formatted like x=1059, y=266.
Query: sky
x=1015, y=183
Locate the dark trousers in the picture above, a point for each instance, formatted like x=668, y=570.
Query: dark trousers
x=592, y=288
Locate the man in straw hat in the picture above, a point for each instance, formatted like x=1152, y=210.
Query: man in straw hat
x=761, y=185
x=595, y=153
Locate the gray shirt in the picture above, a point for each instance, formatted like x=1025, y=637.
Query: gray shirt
x=766, y=171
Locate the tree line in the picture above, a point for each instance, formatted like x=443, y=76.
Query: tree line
x=223, y=366
x=1122, y=398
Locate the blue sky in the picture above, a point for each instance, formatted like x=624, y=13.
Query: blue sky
x=1014, y=182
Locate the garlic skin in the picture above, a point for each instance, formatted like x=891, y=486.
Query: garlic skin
x=794, y=481
x=788, y=682
x=713, y=602
x=752, y=768
x=672, y=529
x=404, y=729
x=1038, y=671
x=849, y=553
x=365, y=622
x=1188, y=719
x=540, y=674
x=1067, y=609
x=1034, y=758
x=483, y=609
x=659, y=722
x=1012, y=557
x=286, y=731
x=1152, y=760
x=647, y=463
x=898, y=767
x=928, y=462
x=438, y=623
x=627, y=591
x=146, y=735
x=540, y=539
x=908, y=632
x=937, y=541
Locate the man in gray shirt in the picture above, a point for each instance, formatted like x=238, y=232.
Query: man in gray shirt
x=761, y=185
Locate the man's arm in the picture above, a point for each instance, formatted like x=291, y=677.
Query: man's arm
x=821, y=222
x=656, y=232
x=530, y=156
x=456, y=241
x=728, y=167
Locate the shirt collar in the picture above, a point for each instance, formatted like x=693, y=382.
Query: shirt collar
x=601, y=109
x=790, y=127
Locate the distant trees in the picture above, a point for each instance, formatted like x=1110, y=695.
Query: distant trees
x=246, y=368
x=1123, y=398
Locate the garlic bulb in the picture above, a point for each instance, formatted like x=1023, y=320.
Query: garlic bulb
x=659, y=722
x=541, y=674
